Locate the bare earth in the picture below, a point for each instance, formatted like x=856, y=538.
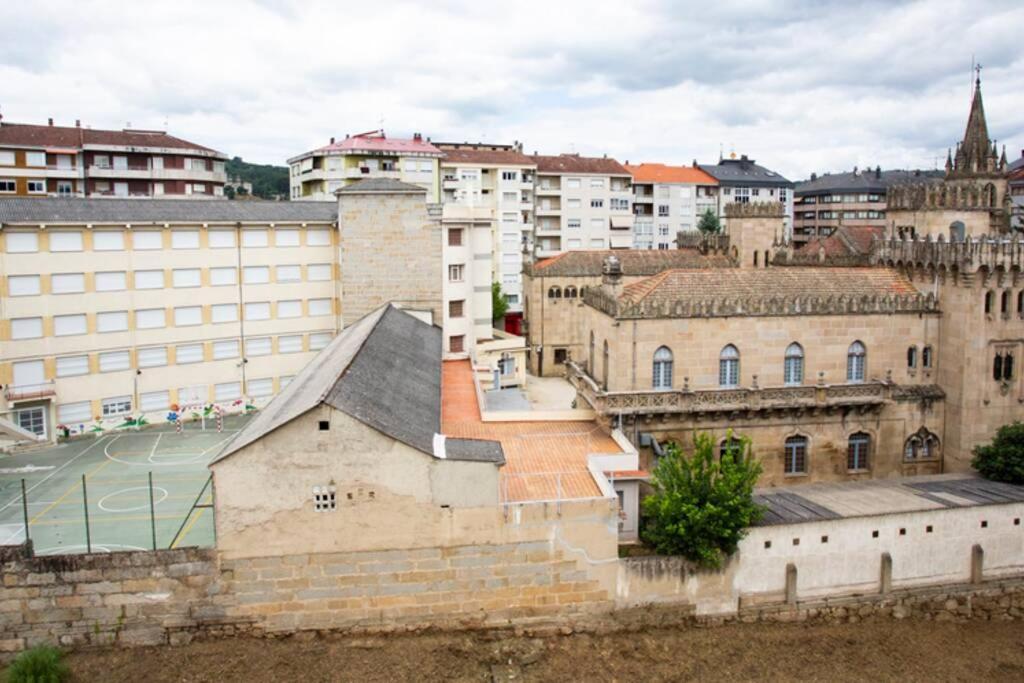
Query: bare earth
x=867, y=651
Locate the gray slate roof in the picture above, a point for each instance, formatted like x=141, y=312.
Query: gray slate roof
x=385, y=371
x=864, y=181
x=380, y=186
x=56, y=210
x=744, y=172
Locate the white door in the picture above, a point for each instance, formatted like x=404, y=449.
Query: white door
x=120, y=189
x=29, y=373
x=120, y=163
x=158, y=163
x=63, y=161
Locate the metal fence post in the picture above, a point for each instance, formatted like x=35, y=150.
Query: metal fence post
x=85, y=508
x=24, y=511
x=152, y=511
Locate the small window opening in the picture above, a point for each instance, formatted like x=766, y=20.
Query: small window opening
x=324, y=498
x=903, y=532
x=767, y=544
x=928, y=529
x=324, y=425
x=796, y=541
x=824, y=539
x=984, y=524
x=874, y=534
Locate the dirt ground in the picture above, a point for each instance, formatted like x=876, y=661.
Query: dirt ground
x=878, y=651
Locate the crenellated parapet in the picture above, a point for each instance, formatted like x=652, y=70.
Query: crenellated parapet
x=968, y=256
x=755, y=210
x=715, y=243
x=953, y=195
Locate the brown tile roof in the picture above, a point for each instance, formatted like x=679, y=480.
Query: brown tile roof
x=506, y=157
x=782, y=283
x=844, y=241
x=28, y=135
x=574, y=163
x=634, y=262
x=662, y=173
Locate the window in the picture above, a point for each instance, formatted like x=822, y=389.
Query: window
x=596, y=243
x=72, y=366
x=227, y=391
x=291, y=308
x=605, y=365
x=223, y=313
x=730, y=448
x=185, y=316
x=256, y=275
x=66, y=325
x=857, y=451
x=188, y=353
x=457, y=343
x=729, y=367
x=8, y=185
x=555, y=293
x=662, y=368
x=224, y=275
x=255, y=238
x=1002, y=366
x=261, y=387
x=152, y=356
x=258, y=310
x=6, y=157
x=67, y=283
x=912, y=357
x=318, y=272
x=257, y=346
x=26, y=328
x=793, y=369
x=1020, y=303
x=22, y=242
x=29, y=373
x=324, y=498
x=572, y=183
x=926, y=357
x=108, y=240
x=112, y=321
x=289, y=273
x=318, y=238
x=455, y=237
x=663, y=209
x=456, y=272
x=921, y=444
x=320, y=307
x=619, y=204
x=596, y=203
x=456, y=308
x=855, y=362
x=319, y=340
x=509, y=175
x=193, y=394
x=114, y=361
x=287, y=237
x=111, y=281
x=221, y=239
x=796, y=455
x=570, y=203
x=570, y=292
x=66, y=240
x=74, y=413
x=119, y=405
x=291, y=343
x=149, y=279
x=184, y=239
x=147, y=240
x=150, y=318
x=574, y=223
x=153, y=401
x=22, y=285
x=186, y=277
x=36, y=186
x=225, y=348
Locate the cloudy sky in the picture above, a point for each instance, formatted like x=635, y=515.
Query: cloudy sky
x=801, y=86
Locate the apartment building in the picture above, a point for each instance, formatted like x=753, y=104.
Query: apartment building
x=316, y=175
x=500, y=180
x=111, y=308
x=581, y=203
x=72, y=161
x=669, y=199
x=741, y=180
x=856, y=199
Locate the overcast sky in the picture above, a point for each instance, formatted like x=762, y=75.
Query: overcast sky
x=800, y=86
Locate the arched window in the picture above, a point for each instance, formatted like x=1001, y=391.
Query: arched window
x=997, y=367
x=729, y=367
x=912, y=357
x=989, y=299
x=931, y=446
x=604, y=365
x=1020, y=302
x=957, y=231
x=856, y=358
x=927, y=357
x=912, y=448
x=555, y=293
x=730, y=448
x=796, y=455
x=570, y=292
x=793, y=368
x=921, y=444
x=1007, y=366
x=755, y=259
x=662, y=368
x=766, y=264
x=857, y=448
x=1004, y=302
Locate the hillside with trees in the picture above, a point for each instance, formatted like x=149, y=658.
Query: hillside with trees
x=268, y=182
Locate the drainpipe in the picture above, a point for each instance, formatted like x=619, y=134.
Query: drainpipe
x=241, y=302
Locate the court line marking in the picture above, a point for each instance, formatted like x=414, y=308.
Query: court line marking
x=68, y=492
x=43, y=480
x=106, y=508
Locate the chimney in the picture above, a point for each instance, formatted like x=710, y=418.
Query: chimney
x=814, y=176
x=695, y=163
x=50, y=121
x=878, y=172
x=743, y=157
x=417, y=137
x=332, y=139
x=78, y=123
x=611, y=273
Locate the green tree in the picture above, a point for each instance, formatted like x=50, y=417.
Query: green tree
x=1003, y=459
x=229, y=191
x=499, y=303
x=702, y=505
x=40, y=664
x=709, y=223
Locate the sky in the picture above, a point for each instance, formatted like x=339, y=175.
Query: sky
x=801, y=86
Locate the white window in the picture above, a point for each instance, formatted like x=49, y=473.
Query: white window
x=257, y=346
x=184, y=239
x=67, y=283
x=150, y=318
x=108, y=240
x=572, y=183
x=285, y=380
x=118, y=405
x=6, y=157
x=224, y=313
x=22, y=285
x=198, y=188
x=112, y=321
x=222, y=239
x=289, y=274
x=289, y=344
x=256, y=275
x=856, y=359
x=320, y=307
x=66, y=240
x=224, y=275
x=228, y=391
x=149, y=279
x=111, y=281
x=72, y=366
x=152, y=356
x=319, y=340
x=26, y=328
x=188, y=315
x=188, y=353
x=147, y=239
x=225, y=348
x=318, y=238
x=286, y=238
x=153, y=401
x=74, y=413
x=186, y=277
x=259, y=310
x=597, y=182
x=101, y=160
x=573, y=203
x=114, y=361
x=261, y=387
x=597, y=223
x=317, y=272
x=729, y=367
x=254, y=237
x=121, y=163
x=35, y=158
x=66, y=325
x=291, y=308
x=22, y=242
x=597, y=244
x=456, y=272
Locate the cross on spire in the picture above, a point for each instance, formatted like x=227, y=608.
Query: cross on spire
x=977, y=71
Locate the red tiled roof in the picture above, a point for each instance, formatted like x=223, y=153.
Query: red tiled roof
x=28, y=135
x=376, y=141
x=634, y=262
x=844, y=241
x=574, y=163
x=506, y=157
x=662, y=173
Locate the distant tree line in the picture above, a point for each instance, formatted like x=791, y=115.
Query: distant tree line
x=268, y=182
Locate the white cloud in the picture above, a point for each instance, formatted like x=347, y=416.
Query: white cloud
x=801, y=86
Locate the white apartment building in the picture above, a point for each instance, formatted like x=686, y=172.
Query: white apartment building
x=317, y=174
x=743, y=180
x=581, y=203
x=667, y=200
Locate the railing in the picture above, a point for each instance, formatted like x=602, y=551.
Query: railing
x=724, y=400
x=28, y=392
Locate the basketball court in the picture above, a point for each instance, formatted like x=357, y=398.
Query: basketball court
x=124, y=512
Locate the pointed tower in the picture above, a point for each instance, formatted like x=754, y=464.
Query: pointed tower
x=976, y=155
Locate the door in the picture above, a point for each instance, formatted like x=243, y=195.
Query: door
x=63, y=161
x=120, y=189
x=120, y=163
x=33, y=420
x=28, y=375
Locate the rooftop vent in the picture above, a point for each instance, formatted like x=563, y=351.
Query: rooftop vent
x=50, y=121
x=332, y=139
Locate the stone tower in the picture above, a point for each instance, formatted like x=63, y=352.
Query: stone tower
x=753, y=230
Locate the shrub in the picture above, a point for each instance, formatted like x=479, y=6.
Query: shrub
x=701, y=506
x=1003, y=459
x=40, y=664
x=709, y=223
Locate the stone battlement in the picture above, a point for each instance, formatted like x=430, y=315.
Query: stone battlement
x=755, y=210
x=968, y=256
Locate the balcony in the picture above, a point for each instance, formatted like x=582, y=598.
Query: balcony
x=158, y=174
x=30, y=392
x=450, y=183
x=643, y=199
x=547, y=189
x=361, y=172
x=753, y=399
x=547, y=210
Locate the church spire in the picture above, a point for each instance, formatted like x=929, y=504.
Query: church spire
x=975, y=153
